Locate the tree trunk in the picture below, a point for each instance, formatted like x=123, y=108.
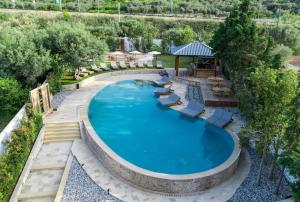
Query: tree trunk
x=270, y=176
x=280, y=180
x=261, y=164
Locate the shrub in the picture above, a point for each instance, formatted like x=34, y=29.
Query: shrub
x=13, y=160
x=12, y=95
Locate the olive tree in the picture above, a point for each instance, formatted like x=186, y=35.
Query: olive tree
x=72, y=44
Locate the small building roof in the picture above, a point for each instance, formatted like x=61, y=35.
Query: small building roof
x=193, y=49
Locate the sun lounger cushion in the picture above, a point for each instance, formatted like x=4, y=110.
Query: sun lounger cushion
x=169, y=101
x=220, y=118
x=193, y=109
x=163, y=91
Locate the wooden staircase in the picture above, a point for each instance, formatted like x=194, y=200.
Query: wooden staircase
x=60, y=132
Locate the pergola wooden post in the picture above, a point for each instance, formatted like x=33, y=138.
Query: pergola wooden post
x=177, y=65
x=215, y=66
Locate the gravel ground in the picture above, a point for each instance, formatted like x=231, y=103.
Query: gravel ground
x=248, y=191
x=59, y=98
x=80, y=187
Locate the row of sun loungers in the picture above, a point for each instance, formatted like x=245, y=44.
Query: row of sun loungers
x=219, y=118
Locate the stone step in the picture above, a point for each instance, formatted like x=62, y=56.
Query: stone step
x=60, y=140
x=51, y=194
x=37, y=167
x=62, y=135
x=60, y=128
x=62, y=132
x=59, y=137
x=61, y=124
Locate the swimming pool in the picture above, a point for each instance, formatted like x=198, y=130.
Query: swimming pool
x=126, y=116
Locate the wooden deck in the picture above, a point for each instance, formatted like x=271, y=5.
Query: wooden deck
x=209, y=99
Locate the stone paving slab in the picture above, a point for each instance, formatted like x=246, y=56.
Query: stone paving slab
x=126, y=192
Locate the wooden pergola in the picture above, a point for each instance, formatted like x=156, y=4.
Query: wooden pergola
x=195, y=50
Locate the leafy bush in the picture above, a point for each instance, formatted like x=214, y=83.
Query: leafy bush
x=12, y=95
x=18, y=148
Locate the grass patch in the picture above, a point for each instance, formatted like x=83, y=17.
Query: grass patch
x=169, y=61
x=5, y=119
x=68, y=80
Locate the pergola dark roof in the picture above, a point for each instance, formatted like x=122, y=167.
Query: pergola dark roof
x=193, y=49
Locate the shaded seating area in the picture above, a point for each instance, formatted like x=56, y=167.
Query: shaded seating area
x=204, y=62
x=173, y=99
x=193, y=109
x=163, y=91
x=220, y=118
x=163, y=81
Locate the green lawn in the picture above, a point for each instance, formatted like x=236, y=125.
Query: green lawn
x=4, y=120
x=169, y=61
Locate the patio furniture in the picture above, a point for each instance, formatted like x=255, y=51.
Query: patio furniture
x=220, y=118
x=149, y=64
x=95, y=68
x=163, y=91
x=113, y=65
x=163, y=81
x=193, y=109
x=104, y=67
x=159, y=65
x=173, y=99
x=84, y=70
x=132, y=64
x=123, y=65
x=141, y=64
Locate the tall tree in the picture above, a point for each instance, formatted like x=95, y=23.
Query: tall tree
x=273, y=90
x=240, y=44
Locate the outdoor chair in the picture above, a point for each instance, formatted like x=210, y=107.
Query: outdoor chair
x=163, y=91
x=85, y=71
x=159, y=65
x=114, y=65
x=149, y=64
x=95, y=68
x=220, y=118
x=141, y=64
x=173, y=99
x=132, y=64
x=193, y=109
x=104, y=67
x=163, y=81
x=123, y=65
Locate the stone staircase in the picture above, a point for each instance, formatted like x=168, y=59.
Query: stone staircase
x=59, y=132
x=49, y=170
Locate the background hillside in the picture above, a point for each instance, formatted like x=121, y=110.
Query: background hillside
x=193, y=8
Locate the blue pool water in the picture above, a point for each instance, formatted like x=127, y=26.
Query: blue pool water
x=128, y=119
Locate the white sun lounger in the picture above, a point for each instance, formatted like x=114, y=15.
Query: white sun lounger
x=159, y=65
x=114, y=65
x=95, y=68
x=123, y=65
x=104, y=67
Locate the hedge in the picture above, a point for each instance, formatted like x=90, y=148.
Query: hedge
x=18, y=149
